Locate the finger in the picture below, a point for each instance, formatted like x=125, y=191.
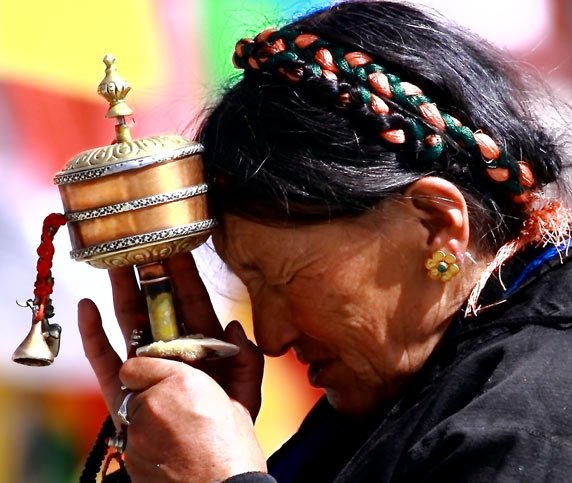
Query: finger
x=103, y=359
x=141, y=373
x=193, y=301
x=128, y=301
x=244, y=377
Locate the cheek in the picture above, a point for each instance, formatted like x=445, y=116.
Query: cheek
x=354, y=318
x=316, y=296
x=325, y=308
x=335, y=292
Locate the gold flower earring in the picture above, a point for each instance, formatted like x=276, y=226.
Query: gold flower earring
x=442, y=266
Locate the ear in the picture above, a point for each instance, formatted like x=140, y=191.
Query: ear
x=442, y=209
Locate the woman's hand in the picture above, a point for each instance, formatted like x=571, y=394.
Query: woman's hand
x=187, y=424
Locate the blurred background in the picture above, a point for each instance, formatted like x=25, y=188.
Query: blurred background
x=176, y=54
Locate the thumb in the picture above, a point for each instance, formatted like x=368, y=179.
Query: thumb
x=244, y=377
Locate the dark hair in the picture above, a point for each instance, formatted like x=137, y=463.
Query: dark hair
x=279, y=151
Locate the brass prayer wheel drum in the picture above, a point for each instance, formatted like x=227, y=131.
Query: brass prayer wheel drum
x=135, y=201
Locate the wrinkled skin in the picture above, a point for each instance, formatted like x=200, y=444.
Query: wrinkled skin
x=351, y=297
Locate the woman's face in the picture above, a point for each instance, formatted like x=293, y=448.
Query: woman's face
x=349, y=296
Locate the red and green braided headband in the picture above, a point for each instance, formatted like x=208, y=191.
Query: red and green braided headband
x=295, y=55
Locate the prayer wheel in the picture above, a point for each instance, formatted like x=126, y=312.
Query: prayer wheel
x=133, y=202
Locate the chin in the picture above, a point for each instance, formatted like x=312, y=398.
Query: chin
x=354, y=403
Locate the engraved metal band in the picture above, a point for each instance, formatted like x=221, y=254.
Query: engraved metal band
x=143, y=239
x=91, y=173
x=137, y=204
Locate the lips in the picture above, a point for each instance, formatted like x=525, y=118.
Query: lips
x=317, y=367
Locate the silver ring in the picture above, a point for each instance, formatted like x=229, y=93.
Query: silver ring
x=122, y=411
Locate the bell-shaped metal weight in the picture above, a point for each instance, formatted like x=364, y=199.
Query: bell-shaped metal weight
x=34, y=350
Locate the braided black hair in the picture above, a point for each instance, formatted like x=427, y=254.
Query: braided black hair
x=278, y=150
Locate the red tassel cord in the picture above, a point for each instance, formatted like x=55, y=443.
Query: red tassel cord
x=41, y=305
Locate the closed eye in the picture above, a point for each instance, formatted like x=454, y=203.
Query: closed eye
x=283, y=281
x=247, y=274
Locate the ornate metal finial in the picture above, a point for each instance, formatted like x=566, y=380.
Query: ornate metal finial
x=114, y=88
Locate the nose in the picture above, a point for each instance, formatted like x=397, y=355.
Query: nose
x=272, y=320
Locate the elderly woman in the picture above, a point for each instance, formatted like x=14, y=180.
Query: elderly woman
x=380, y=184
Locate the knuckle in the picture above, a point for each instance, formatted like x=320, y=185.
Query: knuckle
x=154, y=407
x=182, y=381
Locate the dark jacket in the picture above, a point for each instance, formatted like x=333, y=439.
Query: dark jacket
x=493, y=403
